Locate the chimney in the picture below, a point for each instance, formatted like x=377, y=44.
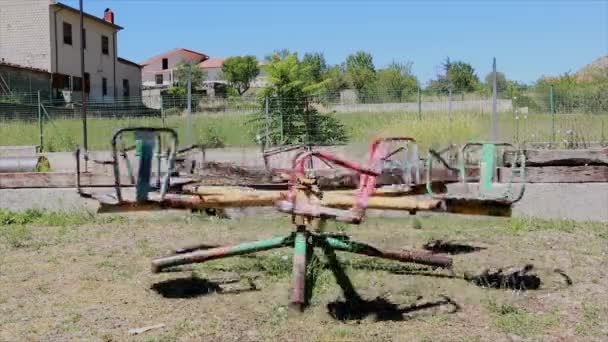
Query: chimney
x=108, y=15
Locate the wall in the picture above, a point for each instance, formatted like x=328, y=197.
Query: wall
x=154, y=68
x=22, y=80
x=66, y=58
x=133, y=74
x=24, y=33
x=152, y=98
x=482, y=106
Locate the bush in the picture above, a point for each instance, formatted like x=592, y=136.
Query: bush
x=211, y=137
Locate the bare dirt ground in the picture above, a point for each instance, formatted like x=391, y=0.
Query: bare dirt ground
x=73, y=279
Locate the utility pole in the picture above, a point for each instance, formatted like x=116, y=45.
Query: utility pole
x=419, y=103
x=83, y=107
x=494, y=111
x=552, y=105
x=189, y=104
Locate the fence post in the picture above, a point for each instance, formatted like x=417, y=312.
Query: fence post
x=83, y=84
x=450, y=110
x=552, y=108
x=189, y=129
x=40, y=123
x=450, y=103
x=494, y=96
x=281, y=112
x=267, y=141
x=419, y=104
x=162, y=111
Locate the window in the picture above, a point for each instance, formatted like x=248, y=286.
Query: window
x=67, y=33
x=104, y=86
x=125, y=88
x=165, y=63
x=84, y=38
x=87, y=82
x=61, y=82
x=159, y=79
x=76, y=83
x=105, y=45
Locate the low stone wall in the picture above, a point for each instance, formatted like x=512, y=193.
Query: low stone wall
x=480, y=106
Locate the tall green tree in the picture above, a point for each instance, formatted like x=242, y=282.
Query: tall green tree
x=315, y=64
x=240, y=71
x=293, y=118
x=457, y=76
x=360, y=70
x=280, y=54
x=335, y=80
x=396, y=82
x=182, y=71
x=461, y=76
x=502, y=83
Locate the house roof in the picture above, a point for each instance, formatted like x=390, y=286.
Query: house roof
x=19, y=66
x=126, y=61
x=190, y=55
x=87, y=15
x=213, y=62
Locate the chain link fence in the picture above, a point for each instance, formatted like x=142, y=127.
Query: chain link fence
x=552, y=120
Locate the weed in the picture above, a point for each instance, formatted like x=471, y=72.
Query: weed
x=592, y=317
x=529, y=224
x=16, y=236
x=53, y=218
x=211, y=137
x=106, y=264
x=145, y=248
x=276, y=266
x=515, y=320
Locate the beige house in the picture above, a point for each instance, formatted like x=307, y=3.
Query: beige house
x=44, y=35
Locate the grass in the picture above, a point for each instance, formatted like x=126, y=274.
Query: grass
x=52, y=218
x=593, y=315
x=15, y=227
x=432, y=130
x=515, y=320
x=105, y=283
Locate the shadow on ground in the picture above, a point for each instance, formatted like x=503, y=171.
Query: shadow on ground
x=513, y=278
x=382, y=309
x=193, y=287
x=450, y=247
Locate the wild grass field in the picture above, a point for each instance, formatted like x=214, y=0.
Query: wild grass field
x=80, y=276
x=433, y=129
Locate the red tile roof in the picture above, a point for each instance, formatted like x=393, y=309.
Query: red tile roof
x=213, y=62
x=189, y=55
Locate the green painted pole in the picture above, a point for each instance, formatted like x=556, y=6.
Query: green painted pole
x=488, y=153
x=216, y=253
x=298, y=299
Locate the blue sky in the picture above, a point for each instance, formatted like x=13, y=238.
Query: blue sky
x=528, y=38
